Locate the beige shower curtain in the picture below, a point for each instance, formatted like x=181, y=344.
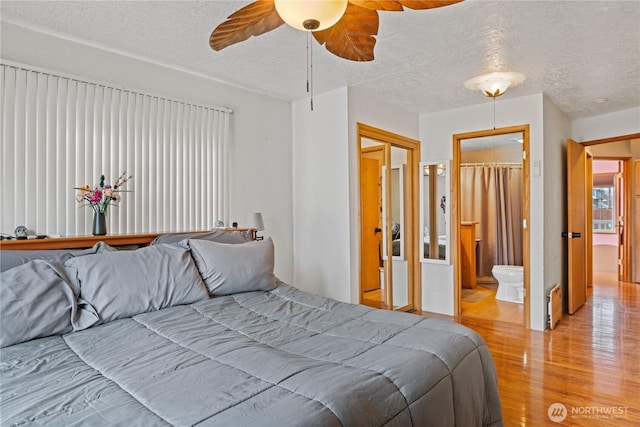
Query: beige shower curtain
x=492, y=195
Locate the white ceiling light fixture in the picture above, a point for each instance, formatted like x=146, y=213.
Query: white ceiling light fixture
x=496, y=83
x=311, y=15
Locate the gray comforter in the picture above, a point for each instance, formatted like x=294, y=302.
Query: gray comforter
x=275, y=358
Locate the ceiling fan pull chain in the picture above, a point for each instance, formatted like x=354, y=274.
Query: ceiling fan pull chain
x=308, y=35
x=494, y=113
x=310, y=67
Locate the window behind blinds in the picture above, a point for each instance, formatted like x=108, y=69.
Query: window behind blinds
x=60, y=133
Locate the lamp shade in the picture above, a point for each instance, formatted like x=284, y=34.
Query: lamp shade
x=255, y=221
x=494, y=84
x=311, y=15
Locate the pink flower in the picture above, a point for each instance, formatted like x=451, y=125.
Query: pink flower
x=94, y=196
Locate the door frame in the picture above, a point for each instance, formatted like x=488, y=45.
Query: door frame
x=456, y=217
x=412, y=199
x=631, y=228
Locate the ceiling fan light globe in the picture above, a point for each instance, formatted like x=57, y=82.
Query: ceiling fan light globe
x=303, y=14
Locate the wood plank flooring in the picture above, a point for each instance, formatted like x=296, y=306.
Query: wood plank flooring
x=491, y=308
x=590, y=363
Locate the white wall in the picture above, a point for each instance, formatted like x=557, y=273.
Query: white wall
x=325, y=186
x=436, y=134
x=625, y=122
x=321, y=195
x=557, y=128
x=261, y=126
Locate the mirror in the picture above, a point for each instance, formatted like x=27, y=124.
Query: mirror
x=398, y=176
x=388, y=172
x=397, y=225
x=434, y=190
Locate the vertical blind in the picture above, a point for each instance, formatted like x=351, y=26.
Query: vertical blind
x=60, y=133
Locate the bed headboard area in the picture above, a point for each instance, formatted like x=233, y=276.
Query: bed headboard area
x=125, y=240
x=15, y=252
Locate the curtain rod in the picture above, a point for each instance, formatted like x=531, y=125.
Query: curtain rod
x=493, y=164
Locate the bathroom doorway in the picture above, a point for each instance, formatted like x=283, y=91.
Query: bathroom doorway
x=491, y=187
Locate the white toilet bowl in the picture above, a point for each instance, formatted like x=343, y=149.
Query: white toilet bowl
x=510, y=282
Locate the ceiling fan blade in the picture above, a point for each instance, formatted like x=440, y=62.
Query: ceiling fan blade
x=252, y=20
x=352, y=37
x=399, y=5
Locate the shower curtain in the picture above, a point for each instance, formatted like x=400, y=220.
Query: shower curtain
x=492, y=195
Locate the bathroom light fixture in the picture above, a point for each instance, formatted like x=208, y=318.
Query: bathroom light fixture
x=496, y=83
x=439, y=170
x=311, y=15
x=256, y=223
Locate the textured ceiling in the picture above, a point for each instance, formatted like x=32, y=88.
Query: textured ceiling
x=585, y=55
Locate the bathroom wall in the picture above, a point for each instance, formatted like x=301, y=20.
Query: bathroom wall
x=503, y=154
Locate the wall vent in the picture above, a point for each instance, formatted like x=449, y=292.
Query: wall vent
x=555, y=305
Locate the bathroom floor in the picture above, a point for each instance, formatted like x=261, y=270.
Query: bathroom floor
x=492, y=309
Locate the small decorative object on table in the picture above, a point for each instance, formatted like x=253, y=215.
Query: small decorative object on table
x=100, y=198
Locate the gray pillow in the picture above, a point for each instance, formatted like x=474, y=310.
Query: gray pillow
x=123, y=284
x=10, y=259
x=36, y=300
x=229, y=269
x=220, y=236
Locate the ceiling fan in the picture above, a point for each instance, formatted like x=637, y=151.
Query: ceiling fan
x=348, y=33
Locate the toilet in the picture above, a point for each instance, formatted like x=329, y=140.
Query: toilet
x=510, y=282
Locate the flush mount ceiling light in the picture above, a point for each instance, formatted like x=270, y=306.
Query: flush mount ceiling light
x=439, y=169
x=311, y=15
x=345, y=27
x=494, y=84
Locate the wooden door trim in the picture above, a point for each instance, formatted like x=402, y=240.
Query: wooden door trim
x=612, y=139
x=627, y=265
x=456, y=219
x=589, y=219
x=624, y=274
x=631, y=227
x=412, y=192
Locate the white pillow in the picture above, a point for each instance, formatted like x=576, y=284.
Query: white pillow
x=232, y=268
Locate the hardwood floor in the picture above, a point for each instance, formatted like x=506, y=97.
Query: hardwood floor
x=374, y=299
x=491, y=308
x=590, y=363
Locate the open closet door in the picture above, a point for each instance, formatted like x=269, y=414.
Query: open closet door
x=577, y=224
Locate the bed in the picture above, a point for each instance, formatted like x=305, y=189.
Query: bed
x=202, y=333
